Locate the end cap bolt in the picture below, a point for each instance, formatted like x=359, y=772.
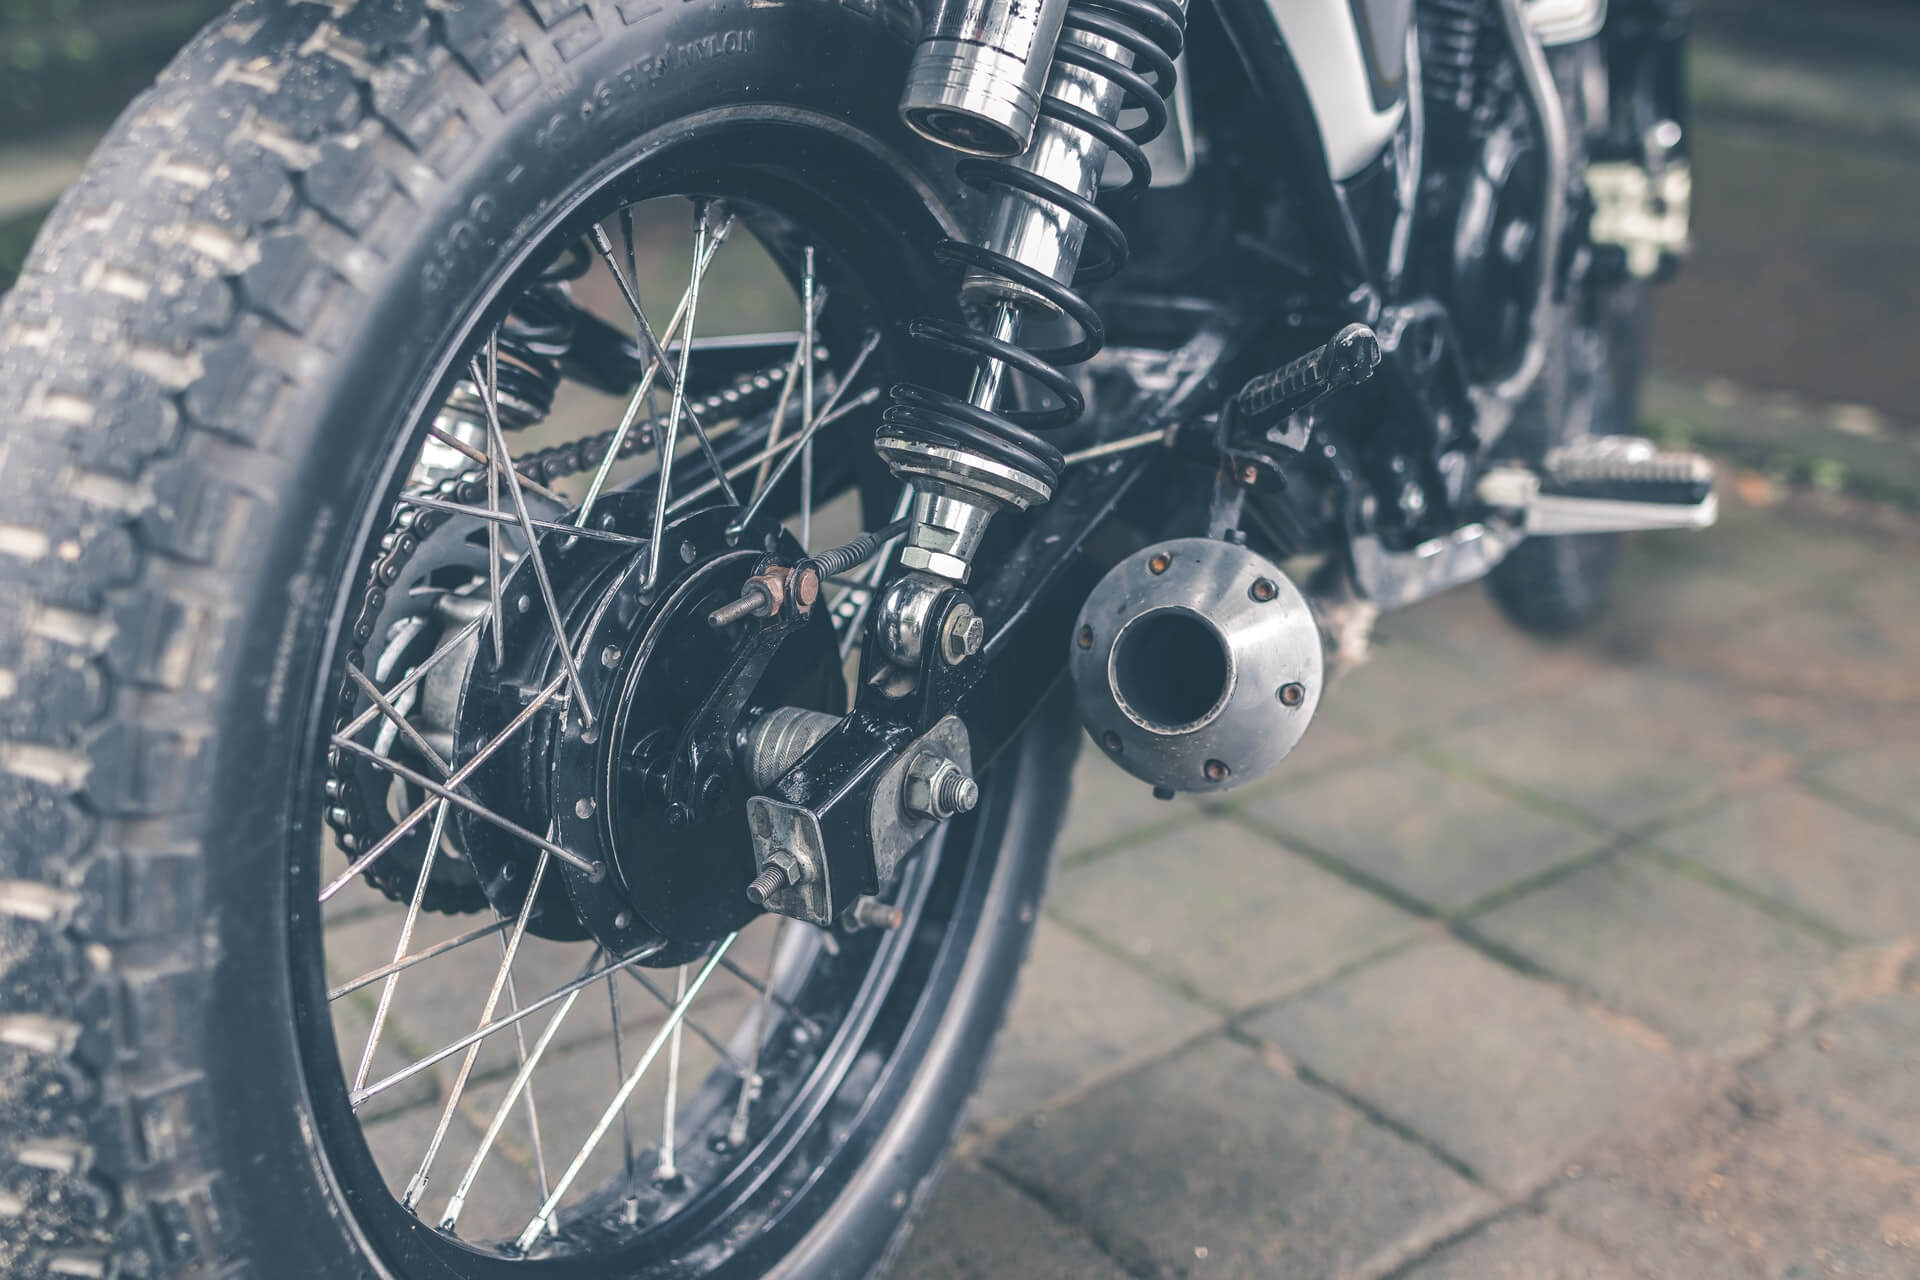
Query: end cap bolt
x=782, y=871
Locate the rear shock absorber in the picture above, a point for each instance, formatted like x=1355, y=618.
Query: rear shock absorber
x=535, y=335
x=967, y=457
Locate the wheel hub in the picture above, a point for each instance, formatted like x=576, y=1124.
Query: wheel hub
x=674, y=880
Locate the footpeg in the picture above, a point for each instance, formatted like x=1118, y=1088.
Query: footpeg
x=1609, y=484
x=1348, y=359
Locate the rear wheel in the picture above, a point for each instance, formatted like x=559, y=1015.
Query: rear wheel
x=281, y=992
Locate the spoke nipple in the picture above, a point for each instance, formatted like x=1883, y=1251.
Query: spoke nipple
x=597, y=872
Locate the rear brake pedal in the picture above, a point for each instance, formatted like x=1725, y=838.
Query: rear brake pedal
x=1607, y=484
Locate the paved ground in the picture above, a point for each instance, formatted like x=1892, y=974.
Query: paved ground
x=1592, y=959
x=1597, y=959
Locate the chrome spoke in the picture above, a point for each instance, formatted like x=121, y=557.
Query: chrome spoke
x=806, y=436
x=638, y=399
x=620, y=1069
x=397, y=719
x=762, y=1013
x=444, y=1052
x=806, y=405
x=418, y=1185
x=541, y=1219
x=740, y=468
x=493, y=506
x=779, y=422
x=714, y=1042
x=704, y=236
x=501, y=517
x=403, y=963
x=663, y=483
x=478, y=810
x=343, y=742
x=665, y=1169
x=498, y=439
x=474, y=455
x=452, y=644
x=521, y=1083
x=520, y=1048
x=400, y=948
x=766, y=989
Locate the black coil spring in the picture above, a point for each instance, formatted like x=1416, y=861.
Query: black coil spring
x=1154, y=32
x=1452, y=53
x=535, y=335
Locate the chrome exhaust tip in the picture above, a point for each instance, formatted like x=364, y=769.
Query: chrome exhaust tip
x=1197, y=665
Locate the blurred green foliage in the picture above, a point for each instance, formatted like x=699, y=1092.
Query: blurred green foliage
x=72, y=64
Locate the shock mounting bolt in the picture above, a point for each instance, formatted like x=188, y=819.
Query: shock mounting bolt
x=963, y=635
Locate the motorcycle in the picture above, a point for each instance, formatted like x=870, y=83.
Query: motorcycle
x=399, y=591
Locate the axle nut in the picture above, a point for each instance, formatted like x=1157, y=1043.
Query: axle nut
x=935, y=787
x=783, y=870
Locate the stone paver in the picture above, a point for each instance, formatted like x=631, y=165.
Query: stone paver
x=1857, y=876
x=1625, y=748
x=1522, y=1247
x=1506, y=1074
x=1714, y=974
x=979, y=1228
x=1442, y=839
x=1746, y=1187
x=1225, y=911
x=1081, y=1016
x=1886, y=778
x=1109, y=803
x=1213, y=1163
x=1859, y=1071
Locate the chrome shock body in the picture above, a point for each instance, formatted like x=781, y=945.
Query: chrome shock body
x=968, y=458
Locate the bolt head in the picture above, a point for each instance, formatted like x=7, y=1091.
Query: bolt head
x=806, y=588
x=964, y=635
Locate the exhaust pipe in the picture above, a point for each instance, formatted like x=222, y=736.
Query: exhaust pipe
x=1197, y=665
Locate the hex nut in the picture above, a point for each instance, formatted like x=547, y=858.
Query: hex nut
x=935, y=787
